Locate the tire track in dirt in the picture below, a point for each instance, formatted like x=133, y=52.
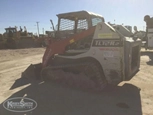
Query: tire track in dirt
x=11, y=70
x=15, y=64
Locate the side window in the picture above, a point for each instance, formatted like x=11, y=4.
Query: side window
x=95, y=21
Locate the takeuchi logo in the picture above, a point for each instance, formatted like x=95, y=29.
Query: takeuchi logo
x=20, y=104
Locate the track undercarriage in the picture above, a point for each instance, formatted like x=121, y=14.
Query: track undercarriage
x=86, y=75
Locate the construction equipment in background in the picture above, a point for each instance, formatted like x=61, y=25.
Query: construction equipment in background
x=18, y=39
x=84, y=43
x=141, y=35
x=149, y=32
x=128, y=32
x=122, y=29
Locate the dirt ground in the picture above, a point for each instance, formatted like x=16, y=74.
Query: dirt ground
x=134, y=97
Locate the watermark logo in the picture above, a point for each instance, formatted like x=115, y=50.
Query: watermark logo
x=20, y=104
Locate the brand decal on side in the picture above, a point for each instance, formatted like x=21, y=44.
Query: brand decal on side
x=20, y=104
x=106, y=43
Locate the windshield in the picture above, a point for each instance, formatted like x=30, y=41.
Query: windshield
x=10, y=30
x=69, y=27
x=66, y=24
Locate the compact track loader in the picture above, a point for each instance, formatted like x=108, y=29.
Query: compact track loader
x=85, y=43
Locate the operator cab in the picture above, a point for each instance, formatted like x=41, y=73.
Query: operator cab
x=75, y=22
x=10, y=32
x=10, y=29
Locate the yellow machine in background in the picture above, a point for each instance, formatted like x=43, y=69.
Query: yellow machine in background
x=17, y=39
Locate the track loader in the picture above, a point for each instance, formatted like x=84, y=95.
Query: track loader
x=85, y=43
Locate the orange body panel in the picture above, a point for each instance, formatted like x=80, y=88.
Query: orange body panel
x=58, y=46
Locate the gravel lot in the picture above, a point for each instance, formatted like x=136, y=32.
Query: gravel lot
x=134, y=97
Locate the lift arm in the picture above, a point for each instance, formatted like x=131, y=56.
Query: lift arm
x=58, y=46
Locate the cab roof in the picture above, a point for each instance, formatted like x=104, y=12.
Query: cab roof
x=78, y=14
x=10, y=28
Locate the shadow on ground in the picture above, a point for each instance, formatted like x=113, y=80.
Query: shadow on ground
x=56, y=99
x=150, y=55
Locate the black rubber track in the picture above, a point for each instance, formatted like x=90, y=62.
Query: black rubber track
x=90, y=75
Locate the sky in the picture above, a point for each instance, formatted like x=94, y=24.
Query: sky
x=28, y=12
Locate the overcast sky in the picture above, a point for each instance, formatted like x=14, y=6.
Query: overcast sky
x=28, y=12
